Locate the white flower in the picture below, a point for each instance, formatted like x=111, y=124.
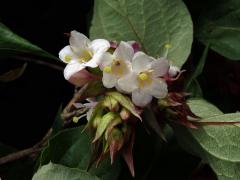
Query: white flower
x=144, y=81
x=116, y=65
x=82, y=53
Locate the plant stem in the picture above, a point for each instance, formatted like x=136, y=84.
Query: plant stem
x=66, y=114
x=26, y=152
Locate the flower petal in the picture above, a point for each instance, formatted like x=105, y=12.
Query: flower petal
x=78, y=41
x=160, y=67
x=89, y=114
x=99, y=45
x=81, y=77
x=141, y=62
x=105, y=60
x=140, y=98
x=119, y=89
x=72, y=68
x=128, y=83
x=158, y=89
x=124, y=52
x=94, y=61
x=66, y=54
x=109, y=80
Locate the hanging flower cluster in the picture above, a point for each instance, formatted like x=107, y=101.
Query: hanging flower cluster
x=121, y=81
x=128, y=71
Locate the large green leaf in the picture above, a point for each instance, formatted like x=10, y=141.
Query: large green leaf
x=218, y=145
x=192, y=81
x=59, y=172
x=219, y=25
x=12, y=44
x=71, y=148
x=152, y=23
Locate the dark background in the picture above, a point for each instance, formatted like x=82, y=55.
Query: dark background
x=29, y=104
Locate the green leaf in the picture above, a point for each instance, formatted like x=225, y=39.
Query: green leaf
x=195, y=89
x=218, y=145
x=58, y=172
x=198, y=70
x=152, y=23
x=12, y=44
x=58, y=122
x=72, y=148
x=125, y=102
x=219, y=26
x=203, y=108
x=150, y=120
x=13, y=74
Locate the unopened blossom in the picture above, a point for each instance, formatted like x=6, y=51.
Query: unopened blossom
x=144, y=81
x=82, y=53
x=173, y=71
x=115, y=66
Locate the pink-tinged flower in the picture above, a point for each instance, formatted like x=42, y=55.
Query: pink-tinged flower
x=136, y=46
x=116, y=65
x=82, y=53
x=144, y=80
x=80, y=77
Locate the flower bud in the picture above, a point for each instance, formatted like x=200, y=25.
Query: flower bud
x=97, y=118
x=173, y=71
x=163, y=103
x=112, y=125
x=124, y=114
x=116, y=142
x=111, y=104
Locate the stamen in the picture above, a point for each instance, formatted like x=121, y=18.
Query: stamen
x=143, y=76
x=68, y=58
x=107, y=69
x=116, y=63
x=168, y=46
x=85, y=56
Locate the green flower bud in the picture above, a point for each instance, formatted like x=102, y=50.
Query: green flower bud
x=97, y=118
x=103, y=124
x=116, y=142
x=112, y=125
x=163, y=103
x=111, y=104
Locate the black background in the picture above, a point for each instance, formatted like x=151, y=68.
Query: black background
x=29, y=104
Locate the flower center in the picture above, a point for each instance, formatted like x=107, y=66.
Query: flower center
x=119, y=68
x=143, y=76
x=144, y=79
x=107, y=69
x=85, y=56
